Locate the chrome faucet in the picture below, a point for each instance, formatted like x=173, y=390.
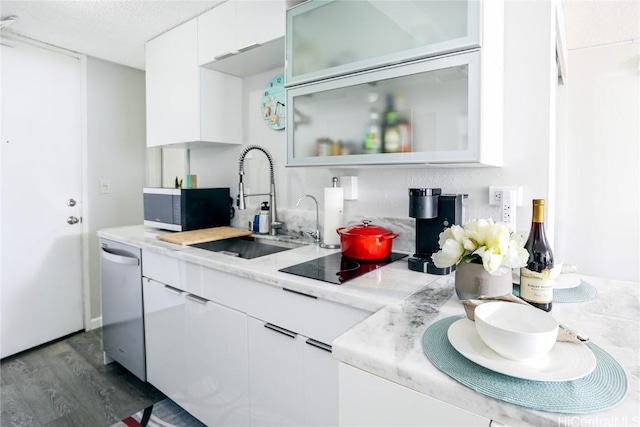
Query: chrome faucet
x=274, y=224
x=315, y=234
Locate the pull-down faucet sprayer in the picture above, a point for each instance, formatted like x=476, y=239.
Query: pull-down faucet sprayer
x=274, y=224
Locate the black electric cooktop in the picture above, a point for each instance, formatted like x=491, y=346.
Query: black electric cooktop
x=338, y=269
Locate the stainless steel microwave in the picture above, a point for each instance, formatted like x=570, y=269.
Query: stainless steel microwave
x=187, y=208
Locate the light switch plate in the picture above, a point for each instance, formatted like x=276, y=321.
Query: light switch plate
x=105, y=186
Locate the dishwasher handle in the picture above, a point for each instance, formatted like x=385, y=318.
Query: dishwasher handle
x=119, y=257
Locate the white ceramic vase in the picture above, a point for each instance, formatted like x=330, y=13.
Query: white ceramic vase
x=472, y=280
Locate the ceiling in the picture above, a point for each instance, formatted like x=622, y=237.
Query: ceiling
x=116, y=30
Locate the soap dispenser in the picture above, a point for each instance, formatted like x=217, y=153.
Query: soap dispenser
x=264, y=218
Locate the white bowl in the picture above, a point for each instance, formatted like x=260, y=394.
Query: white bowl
x=516, y=331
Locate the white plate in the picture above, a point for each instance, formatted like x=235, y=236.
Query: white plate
x=566, y=281
x=565, y=362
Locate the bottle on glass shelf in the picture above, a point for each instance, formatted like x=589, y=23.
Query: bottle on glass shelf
x=372, y=141
x=536, y=286
x=391, y=140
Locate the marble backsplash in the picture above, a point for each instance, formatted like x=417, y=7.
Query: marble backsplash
x=297, y=222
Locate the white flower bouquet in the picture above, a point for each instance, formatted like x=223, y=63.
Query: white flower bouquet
x=495, y=244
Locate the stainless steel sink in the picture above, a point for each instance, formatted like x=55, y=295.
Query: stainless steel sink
x=248, y=247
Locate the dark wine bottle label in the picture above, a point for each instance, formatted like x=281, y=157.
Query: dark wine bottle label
x=536, y=287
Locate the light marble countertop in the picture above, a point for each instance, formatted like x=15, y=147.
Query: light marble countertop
x=371, y=292
x=388, y=343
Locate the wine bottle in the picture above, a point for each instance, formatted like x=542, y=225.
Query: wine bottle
x=536, y=286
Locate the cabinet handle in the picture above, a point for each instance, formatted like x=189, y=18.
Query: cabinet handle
x=196, y=298
x=299, y=293
x=283, y=331
x=172, y=290
x=318, y=344
x=249, y=47
x=224, y=55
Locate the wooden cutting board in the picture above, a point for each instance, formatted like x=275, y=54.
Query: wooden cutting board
x=192, y=237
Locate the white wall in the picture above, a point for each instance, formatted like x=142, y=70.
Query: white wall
x=116, y=141
x=599, y=227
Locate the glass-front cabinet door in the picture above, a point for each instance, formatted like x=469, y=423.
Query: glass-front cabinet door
x=334, y=37
x=423, y=112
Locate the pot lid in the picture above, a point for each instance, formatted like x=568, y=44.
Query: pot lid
x=364, y=229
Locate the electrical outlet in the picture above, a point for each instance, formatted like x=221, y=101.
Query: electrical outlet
x=495, y=194
x=508, y=207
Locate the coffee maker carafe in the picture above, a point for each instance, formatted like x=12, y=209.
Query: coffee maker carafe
x=433, y=212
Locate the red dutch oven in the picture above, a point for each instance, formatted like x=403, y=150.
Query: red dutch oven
x=366, y=242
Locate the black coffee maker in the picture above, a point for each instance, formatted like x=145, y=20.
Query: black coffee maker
x=433, y=212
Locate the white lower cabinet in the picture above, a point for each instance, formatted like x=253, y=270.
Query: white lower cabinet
x=320, y=385
x=368, y=400
x=216, y=370
x=293, y=379
x=276, y=367
x=197, y=354
x=164, y=324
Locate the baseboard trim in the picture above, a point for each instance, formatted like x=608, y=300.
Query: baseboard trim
x=95, y=323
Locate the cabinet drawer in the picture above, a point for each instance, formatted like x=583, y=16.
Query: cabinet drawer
x=222, y=288
x=161, y=268
x=315, y=318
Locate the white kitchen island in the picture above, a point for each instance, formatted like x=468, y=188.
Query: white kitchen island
x=386, y=346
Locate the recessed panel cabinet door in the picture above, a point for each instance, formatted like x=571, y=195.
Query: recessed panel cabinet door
x=276, y=382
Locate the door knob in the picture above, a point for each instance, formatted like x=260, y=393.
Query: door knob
x=71, y=202
x=73, y=220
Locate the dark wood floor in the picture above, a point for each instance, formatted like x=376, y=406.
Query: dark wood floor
x=65, y=383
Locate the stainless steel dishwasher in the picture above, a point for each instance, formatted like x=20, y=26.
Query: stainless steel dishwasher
x=122, y=310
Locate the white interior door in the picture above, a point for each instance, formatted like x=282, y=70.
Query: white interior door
x=41, y=253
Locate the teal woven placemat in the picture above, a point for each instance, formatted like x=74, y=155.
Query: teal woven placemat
x=602, y=389
x=583, y=292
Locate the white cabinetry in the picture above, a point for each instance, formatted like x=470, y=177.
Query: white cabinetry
x=293, y=376
x=233, y=351
x=294, y=379
x=198, y=348
x=368, y=400
x=432, y=69
x=216, y=369
x=164, y=323
x=322, y=40
x=320, y=385
x=242, y=37
x=276, y=366
x=188, y=105
x=445, y=119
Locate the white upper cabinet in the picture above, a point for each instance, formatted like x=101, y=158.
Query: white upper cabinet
x=439, y=116
x=242, y=37
x=188, y=106
x=217, y=33
x=415, y=82
x=329, y=38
